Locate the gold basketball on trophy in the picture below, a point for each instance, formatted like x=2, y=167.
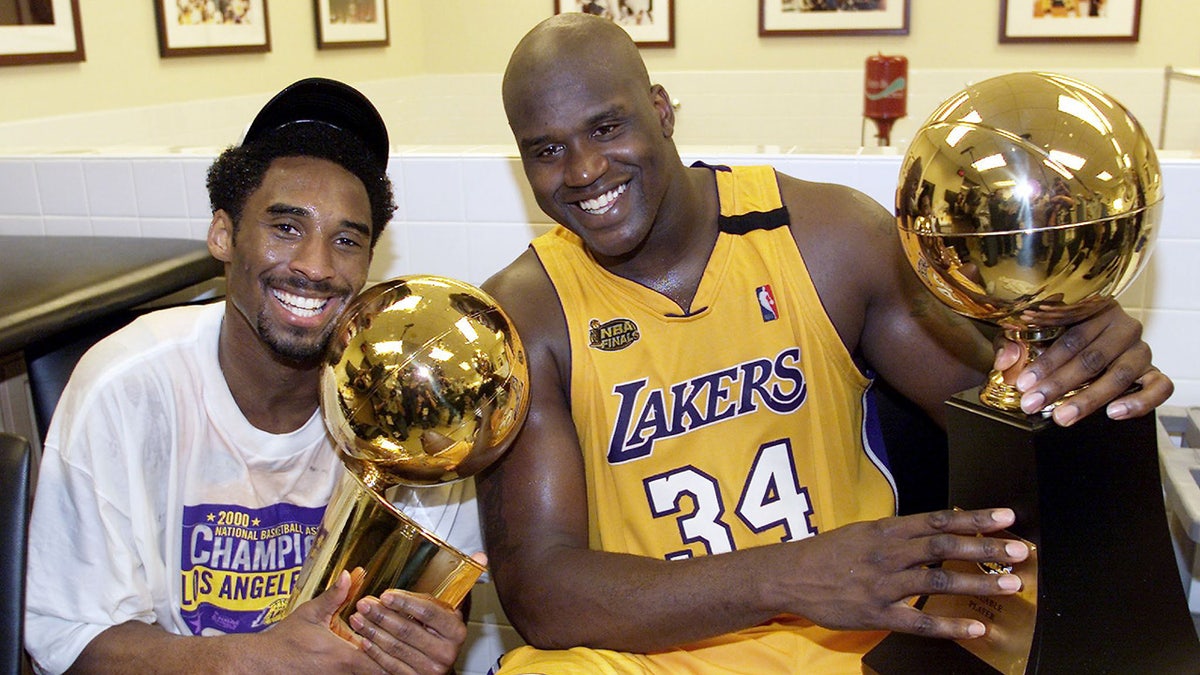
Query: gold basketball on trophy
x=424, y=383
x=1028, y=200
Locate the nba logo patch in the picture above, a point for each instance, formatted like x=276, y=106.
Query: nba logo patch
x=766, y=302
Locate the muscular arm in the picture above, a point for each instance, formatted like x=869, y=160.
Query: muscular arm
x=559, y=593
x=882, y=312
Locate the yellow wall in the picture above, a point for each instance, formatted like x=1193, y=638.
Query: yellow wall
x=723, y=35
x=123, y=67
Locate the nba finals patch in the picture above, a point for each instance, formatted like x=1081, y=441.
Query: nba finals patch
x=766, y=302
x=613, y=335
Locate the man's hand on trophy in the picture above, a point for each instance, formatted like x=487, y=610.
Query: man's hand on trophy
x=865, y=575
x=306, y=641
x=1097, y=362
x=409, y=632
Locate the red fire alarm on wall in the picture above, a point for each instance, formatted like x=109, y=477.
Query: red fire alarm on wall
x=885, y=93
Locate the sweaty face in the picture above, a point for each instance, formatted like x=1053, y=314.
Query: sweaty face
x=299, y=254
x=595, y=147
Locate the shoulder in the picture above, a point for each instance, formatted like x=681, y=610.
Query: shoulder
x=153, y=335
x=830, y=206
x=525, y=273
x=850, y=248
x=840, y=230
x=149, y=353
x=525, y=292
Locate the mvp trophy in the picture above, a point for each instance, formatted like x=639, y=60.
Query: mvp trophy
x=424, y=383
x=1029, y=201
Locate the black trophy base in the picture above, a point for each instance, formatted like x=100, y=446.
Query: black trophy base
x=904, y=654
x=1090, y=498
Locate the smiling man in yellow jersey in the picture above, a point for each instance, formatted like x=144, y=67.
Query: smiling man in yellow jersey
x=694, y=490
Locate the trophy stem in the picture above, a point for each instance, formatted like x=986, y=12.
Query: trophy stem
x=382, y=548
x=1000, y=390
x=999, y=394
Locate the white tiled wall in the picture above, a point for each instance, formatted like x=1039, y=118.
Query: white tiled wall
x=466, y=213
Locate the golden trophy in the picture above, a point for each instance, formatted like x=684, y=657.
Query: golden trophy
x=1029, y=201
x=424, y=383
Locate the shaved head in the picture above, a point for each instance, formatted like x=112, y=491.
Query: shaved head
x=595, y=136
x=572, y=48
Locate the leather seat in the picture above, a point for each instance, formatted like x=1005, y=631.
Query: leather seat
x=50, y=361
x=17, y=470
x=917, y=451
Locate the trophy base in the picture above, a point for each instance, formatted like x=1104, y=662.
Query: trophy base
x=904, y=654
x=1090, y=499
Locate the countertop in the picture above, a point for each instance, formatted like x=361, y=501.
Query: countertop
x=51, y=284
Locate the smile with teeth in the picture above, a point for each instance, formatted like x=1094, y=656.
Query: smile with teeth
x=602, y=203
x=299, y=305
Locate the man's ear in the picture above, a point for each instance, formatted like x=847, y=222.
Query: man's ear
x=666, y=112
x=220, y=236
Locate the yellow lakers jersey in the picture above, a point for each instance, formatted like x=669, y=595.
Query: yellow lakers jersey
x=739, y=423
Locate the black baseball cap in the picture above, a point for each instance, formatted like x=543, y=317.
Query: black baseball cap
x=318, y=100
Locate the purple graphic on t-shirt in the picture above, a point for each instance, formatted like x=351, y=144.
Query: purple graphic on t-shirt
x=238, y=565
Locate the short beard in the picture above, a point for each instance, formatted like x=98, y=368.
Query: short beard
x=294, y=351
x=294, y=346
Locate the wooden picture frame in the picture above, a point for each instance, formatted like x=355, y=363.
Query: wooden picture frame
x=342, y=23
x=651, y=23
x=56, y=38
x=1070, y=20
x=804, y=18
x=191, y=28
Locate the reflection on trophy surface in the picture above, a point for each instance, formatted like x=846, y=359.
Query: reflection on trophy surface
x=424, y=383
x=1029, y=201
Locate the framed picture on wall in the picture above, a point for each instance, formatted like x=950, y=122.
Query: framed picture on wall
x=43, y=31
x=194, y=27
x=1070, y=20
x=651, y=23
x=351, y=23
x=802, y=18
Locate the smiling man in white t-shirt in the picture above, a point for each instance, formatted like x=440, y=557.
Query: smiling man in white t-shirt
x=187, y=466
